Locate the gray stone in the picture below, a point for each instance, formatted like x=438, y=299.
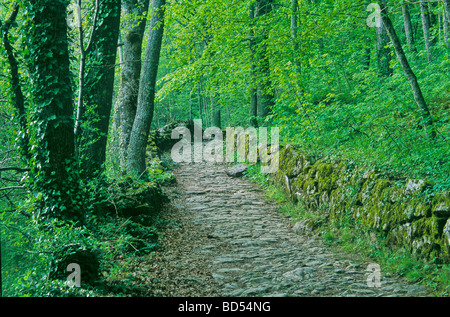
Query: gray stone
x=441, y=210
x=236, y=171
x=413, y=186
x=302, y=227
x=298, y=274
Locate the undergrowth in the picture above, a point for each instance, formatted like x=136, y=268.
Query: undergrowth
x=121, y=243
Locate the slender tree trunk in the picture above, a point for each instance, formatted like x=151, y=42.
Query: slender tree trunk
x=253, y=83
x=99, y=87
x=447, y=8
x=415, y=87
x=205, y=108
x=190, y=105
x=446, y=27
x=17, y=96
x=54, y=156
x=264, y=7
x=217, y=122
x=408, y=26
x=147, y=86
x=424, y=14
x=446, y=21
x=199, y=99
x=383, y=53
x=82, y=70
x=294, y=27
x=131, y=70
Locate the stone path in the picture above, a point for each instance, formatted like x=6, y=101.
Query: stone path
x=249, y=249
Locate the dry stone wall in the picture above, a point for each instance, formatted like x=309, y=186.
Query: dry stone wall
x=400, y=209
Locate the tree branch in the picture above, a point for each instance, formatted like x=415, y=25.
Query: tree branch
x=12, y=17
x=12, y=168
x=12, y=188
x=18, y=97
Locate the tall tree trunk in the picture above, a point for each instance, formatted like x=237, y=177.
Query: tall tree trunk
x=190, y=105
x=54, y=156
x=205, y=108
x=253, y=81
x=199, y=100
x=82, y=69
x=447, y=8
x=446, y=29
x=18, y=98
x=294, y=27
x=99, y=87
x=415, y=87
x=217, y=120
x=146, y=98
x=447, y=21
x=131, y=70
x=424, y=14
x=264, y=7
x=383, y=53
x=408, y=26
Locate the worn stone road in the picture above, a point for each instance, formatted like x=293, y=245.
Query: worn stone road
x=245, y=247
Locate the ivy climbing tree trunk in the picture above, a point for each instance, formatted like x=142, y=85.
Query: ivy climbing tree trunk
x=99, y=87
x=146, y=98
x=415, y=87
x=134, y=28
x=53, y=161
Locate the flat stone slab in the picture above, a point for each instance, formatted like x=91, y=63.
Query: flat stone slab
x=236, y=171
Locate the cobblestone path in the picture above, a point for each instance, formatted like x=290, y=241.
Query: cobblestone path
x=247, y=248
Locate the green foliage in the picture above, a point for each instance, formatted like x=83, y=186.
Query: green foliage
x=29, y=247
x=253, y=174
x=330, y=100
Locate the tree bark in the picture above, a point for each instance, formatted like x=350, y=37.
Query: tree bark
x=294, y=27
x=264, y=7
x=408, y=26
x=447, y=8
x=446, y=27
x=146, y=99
x=131, y=70
x=424, y=14
x=99, y=87
x=199, y=100
x=253, y=82
x=217, y=121
x=54, y=156
x=17, y=97
x=383, y=53
x=446, y=21
x=415, y=87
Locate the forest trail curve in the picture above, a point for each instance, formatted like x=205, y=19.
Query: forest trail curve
x=227, y=240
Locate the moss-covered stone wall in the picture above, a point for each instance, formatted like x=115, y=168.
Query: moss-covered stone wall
x=400, y=209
